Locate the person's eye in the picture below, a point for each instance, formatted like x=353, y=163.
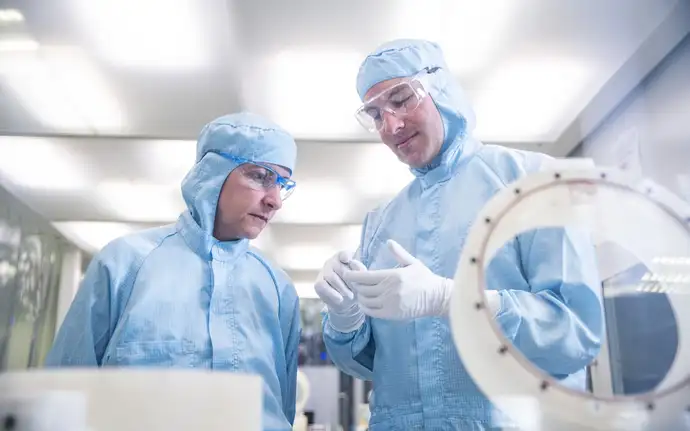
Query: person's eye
x=398, y=103
x=270, y=178
x=257, y=175
x=402, y=95
x=374, y=113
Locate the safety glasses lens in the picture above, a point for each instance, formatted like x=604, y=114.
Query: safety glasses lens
x=285, y=192
x=399, y=100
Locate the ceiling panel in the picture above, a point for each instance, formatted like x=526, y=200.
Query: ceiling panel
x=163, y=101
x=241, y=40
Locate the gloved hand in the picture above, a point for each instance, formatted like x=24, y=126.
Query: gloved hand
x=408, y=292
x=344, y=314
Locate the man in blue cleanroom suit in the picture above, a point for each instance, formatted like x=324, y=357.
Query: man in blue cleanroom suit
x=194, y=294
x=386, y=317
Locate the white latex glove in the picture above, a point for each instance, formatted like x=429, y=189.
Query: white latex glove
x=408, y=292
x=344, y=314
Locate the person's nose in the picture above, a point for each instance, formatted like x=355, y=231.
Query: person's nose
x=391, y=123
x=272, y=198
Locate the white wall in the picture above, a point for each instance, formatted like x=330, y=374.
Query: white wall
x=324, y=384
x=651, y=127
x=649, y=134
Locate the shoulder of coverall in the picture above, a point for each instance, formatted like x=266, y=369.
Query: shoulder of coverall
x=249, y=136
x=134, y=247
x=510, y=164
x=123, y=257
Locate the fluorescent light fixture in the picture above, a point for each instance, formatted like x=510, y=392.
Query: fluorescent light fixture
x=11, y=15
x=62, y=89
x=141, y=202
x=40, y=164
x=86, y=89
x=31, y=82
x=530, y=100
x=323, y=202
x=149, y=34
x=380, y=173
x=18, y=44
x=469, y=32
x=305, y=290
x=92, y=236
x=173, y=159
x=313, y=93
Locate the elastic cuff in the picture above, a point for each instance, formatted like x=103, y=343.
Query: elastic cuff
x=447, y=286
x=346, y=323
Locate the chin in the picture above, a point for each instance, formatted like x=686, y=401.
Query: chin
x=252, y=233
x=413, y=159
x=413, y=162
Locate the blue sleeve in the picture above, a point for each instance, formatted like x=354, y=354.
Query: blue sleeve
x=292, y=357
x=555, y=318
x=352, y=352
x=85, y=332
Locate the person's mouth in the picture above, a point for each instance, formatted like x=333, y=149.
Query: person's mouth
x=406, y=142
x=260, y=217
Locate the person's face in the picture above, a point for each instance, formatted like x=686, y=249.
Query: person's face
x=416, y=137
x=244, y=209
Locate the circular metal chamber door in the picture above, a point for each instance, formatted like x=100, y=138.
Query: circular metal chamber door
x=571, y=307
